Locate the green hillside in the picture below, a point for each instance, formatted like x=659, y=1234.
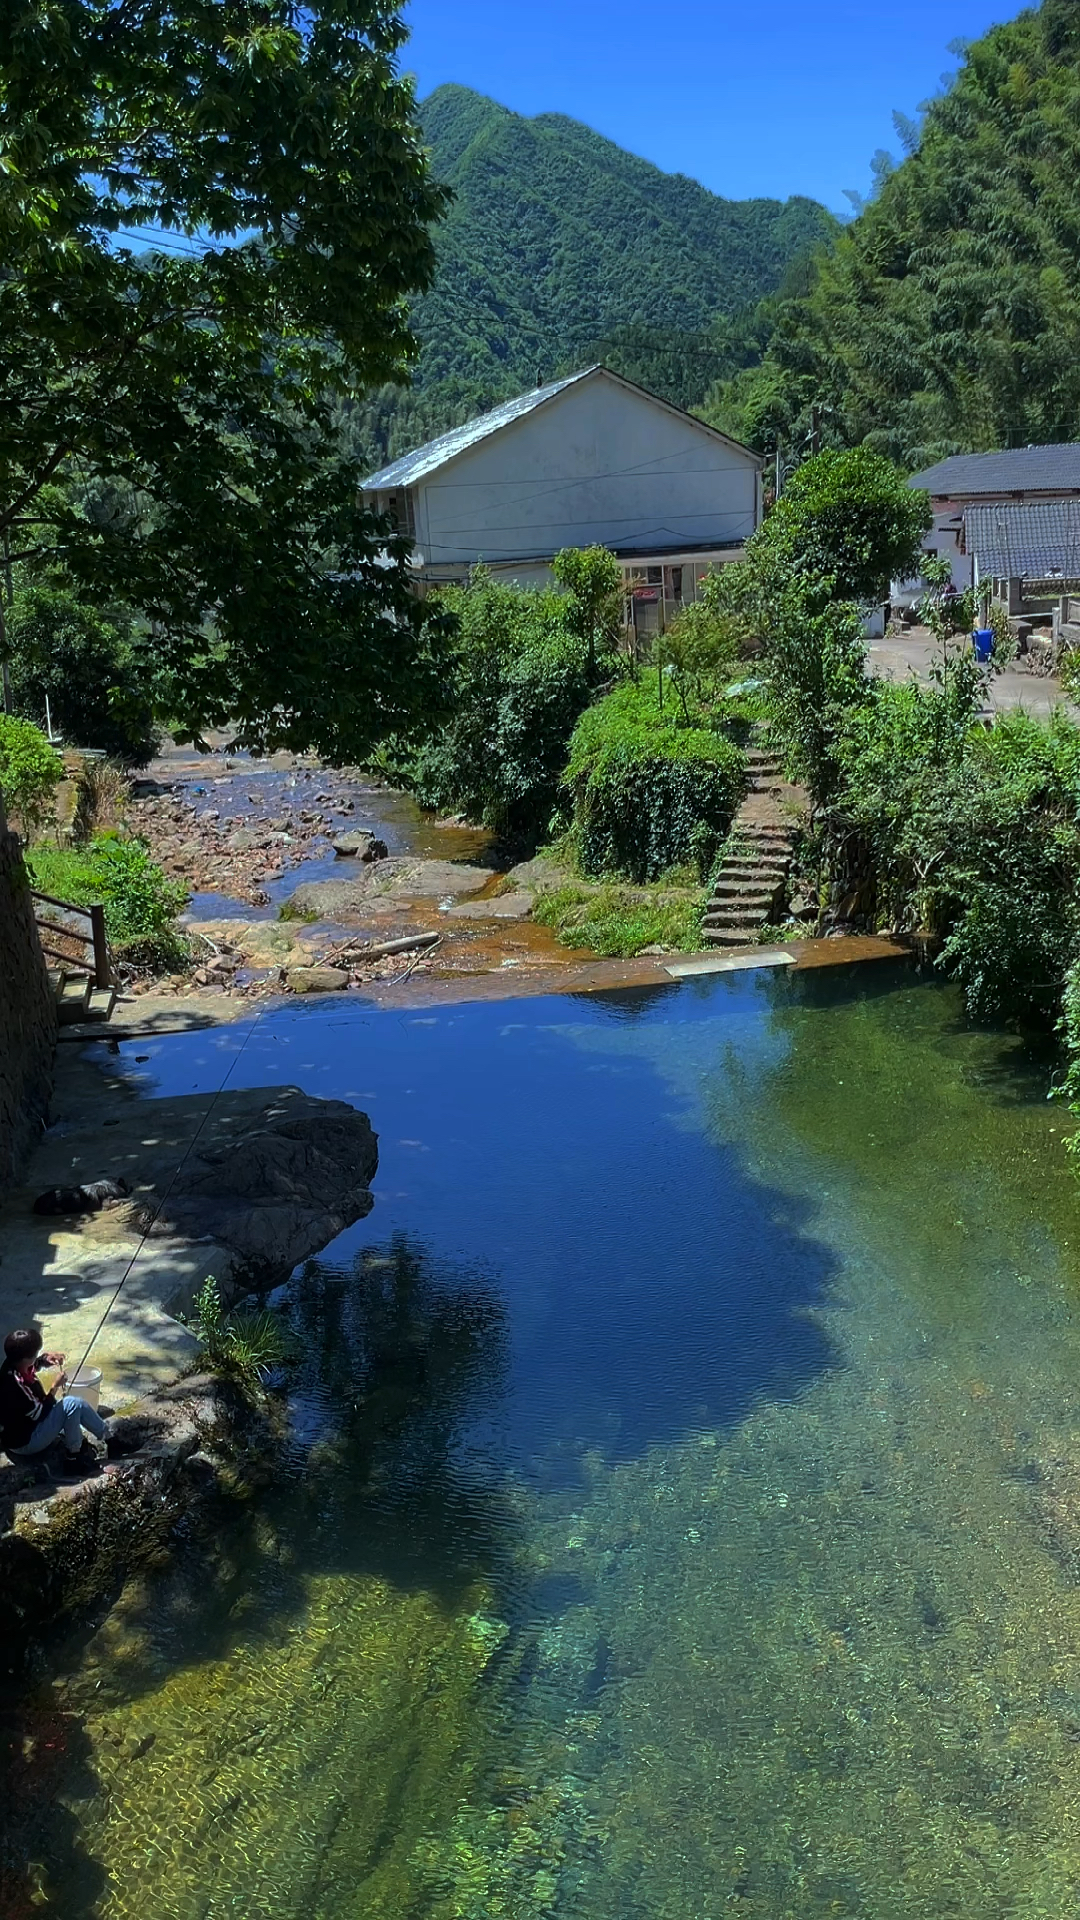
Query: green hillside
x=947, y=317
x=561, y=248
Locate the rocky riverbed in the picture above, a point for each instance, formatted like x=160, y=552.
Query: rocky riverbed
x=302, y=877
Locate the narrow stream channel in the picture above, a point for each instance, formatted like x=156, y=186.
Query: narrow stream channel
x=683, y=1517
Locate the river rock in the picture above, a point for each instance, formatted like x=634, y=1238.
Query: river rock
x=504, y=906
x=316, y=979
x=275, y=1192
x=361, y=845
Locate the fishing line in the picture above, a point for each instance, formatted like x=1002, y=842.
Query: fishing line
x=237, y=1057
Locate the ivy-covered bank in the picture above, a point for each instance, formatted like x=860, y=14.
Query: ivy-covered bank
x=630, y=771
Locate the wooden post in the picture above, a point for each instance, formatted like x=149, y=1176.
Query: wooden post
x=102, y=976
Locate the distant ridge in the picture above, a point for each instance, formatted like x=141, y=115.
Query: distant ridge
x=560, y=249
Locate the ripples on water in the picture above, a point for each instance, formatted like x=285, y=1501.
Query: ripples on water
x=681, y=1518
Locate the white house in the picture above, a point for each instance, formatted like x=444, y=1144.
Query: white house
x=589, y=461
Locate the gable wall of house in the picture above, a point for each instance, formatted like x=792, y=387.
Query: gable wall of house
x=597, y=465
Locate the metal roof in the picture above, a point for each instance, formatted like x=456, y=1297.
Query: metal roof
x=1016, y=470
x=437, y=453
x=1039, y=541
x=414, y=466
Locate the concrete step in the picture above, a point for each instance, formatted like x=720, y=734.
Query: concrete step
x=764, y=869
x=773, y=850
x=744, y=924
x=56, y=977
x=102, y=1002
x=73, y=1000
x=728, y=912
x=716, y=937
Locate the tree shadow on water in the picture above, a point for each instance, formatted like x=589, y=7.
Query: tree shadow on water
x=390, y=1360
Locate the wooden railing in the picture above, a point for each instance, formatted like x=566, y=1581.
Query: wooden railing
x=91, y=955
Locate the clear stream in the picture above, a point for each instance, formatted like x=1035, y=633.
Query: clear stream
x=683, y=1518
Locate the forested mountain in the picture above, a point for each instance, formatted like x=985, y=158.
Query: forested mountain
x=560, y=248
x=947, y=316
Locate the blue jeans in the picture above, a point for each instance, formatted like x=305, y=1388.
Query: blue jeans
x=68, y=1417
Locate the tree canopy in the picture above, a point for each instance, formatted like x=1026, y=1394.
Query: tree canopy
x=211, y=216
x=848, y=520
x=947, y=315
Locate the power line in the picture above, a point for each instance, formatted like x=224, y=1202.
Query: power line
x=173, y=245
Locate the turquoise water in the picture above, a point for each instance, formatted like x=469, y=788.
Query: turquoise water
x=682, y=1513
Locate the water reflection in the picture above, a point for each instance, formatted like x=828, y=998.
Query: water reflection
x=682, y=1518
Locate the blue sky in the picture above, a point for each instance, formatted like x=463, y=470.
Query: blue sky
x=748, y=98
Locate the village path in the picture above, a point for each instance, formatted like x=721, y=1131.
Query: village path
x=901, y=655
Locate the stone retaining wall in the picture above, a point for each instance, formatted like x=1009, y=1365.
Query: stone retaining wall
x=27, y=1015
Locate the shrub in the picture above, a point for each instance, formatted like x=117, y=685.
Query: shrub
x=247, y=1345
x=701, y=648
x=140, y=901
x=973, y=835
x=648, y=793
x=30, y=772
x=591, y=579
x=848, y=519
x=523, y=676
x=80, y=659
x=616, y=921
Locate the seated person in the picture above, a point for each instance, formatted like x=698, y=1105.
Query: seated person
x=31, y=1419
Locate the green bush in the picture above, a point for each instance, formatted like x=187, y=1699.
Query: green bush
x=141, y=902
x=246, y=1345
x=616, y=921
x=648, y=793
x=81, y=661
x=973, y=835
x=523, y=675
x=30, y=772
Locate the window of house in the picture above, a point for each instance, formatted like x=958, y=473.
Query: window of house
x=654, y=576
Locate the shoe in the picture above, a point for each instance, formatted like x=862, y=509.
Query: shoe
x=83, y=1465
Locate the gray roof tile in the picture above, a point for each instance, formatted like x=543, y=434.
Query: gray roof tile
x=1038, y=541
x=1017, y=469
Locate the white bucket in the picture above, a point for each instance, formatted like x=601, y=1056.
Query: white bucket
x=87, y=1385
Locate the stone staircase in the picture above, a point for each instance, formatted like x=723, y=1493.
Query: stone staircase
x=81, y=976
x=749, y=885
x=78, y=999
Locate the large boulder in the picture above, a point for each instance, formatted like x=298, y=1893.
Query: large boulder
x=276, y=1192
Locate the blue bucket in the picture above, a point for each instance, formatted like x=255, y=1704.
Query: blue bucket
x=983, y=642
